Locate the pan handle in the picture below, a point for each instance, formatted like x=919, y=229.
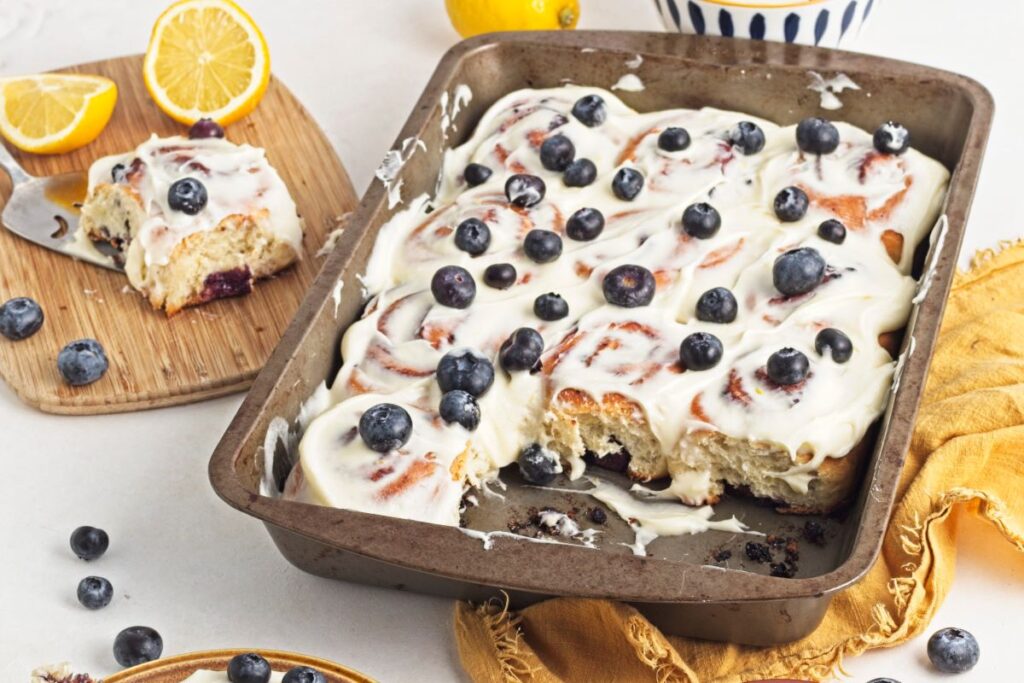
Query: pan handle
x=13, y=168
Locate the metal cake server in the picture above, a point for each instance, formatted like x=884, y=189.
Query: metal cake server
x=46, y=211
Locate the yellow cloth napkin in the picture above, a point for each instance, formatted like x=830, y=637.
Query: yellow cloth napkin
x=966, y=457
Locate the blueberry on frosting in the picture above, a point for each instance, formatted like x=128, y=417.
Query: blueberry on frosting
x=584, y=225
x=473, y=236
x=791, y=204
x=747, y=137
x=580, y=173
x=521, y=351
x=524, y=190
x=550, y=307
x=460, y=407
x=700, y=351
x=500, y=275
x=453, y=286
x=476, y=174
x=832, y=231
x=701, y=220
x=187, y=195
x=385, y=427
x=834, y=342
x=627, y=184
x=717, y=305
x=629, y=286
x=542, y=246
x=815, y=135
x=787, y=366
x=466, y=371
x=891, y=138
x=590, y=110
x=673, y=139
x=798, y=271
x=557, y=152
x=538, y=465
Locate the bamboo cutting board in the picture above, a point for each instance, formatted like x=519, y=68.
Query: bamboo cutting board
x=202, y=352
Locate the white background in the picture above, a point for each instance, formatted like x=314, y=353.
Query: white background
x=206, y=576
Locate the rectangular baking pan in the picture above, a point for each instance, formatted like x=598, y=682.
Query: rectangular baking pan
x=685, y=585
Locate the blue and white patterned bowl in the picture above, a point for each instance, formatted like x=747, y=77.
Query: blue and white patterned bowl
x=828, y=23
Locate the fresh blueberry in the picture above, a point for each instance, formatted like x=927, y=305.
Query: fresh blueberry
x=187, y=195
x=89, y=543
x=891, y=138
x=700, y=351
x=453, y=287
x=747, y=137
x=883, y=680
x=82, y=362
x=832, y=231
x=556, y=153
x=629, y=286
x=815, y=135
x=521, y=351
x=627, y=184
x=500, y=275
x=580, y=173
x=701, y=220
x=550, y=307
x=788, y=366
x=303, y=674
x=205, y=128
x=248, y=668
x=524, y=190
x=95, y=592
x=835, y=342
x=590, y=110
x=953, y=650
x=460, y=407
x=798, y=271
x=385, y=427
x=717, y=305
x=538, y=465
x=117, y=173
x=791, y=204
x=20, y=318
x=674, y=139
x=137, y=645
x=465, y=370
x=473, y=236
x=542, y=246
x=476, y=174
x=584, y=225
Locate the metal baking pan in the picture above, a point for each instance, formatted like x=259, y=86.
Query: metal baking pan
x=686, y=584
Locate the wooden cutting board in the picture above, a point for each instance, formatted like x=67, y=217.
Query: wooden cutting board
x=202, y=352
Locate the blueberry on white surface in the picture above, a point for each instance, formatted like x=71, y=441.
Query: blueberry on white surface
x=500, y=275
x=524, y=190
x=580, y=173
x=584, y=225
x=303, y=674
x=205, y=128
x=89, y=543
x=832, y=231
x=629, y=286
x=542, y=246
x=835, y=343
x=791, y=204
x=953, y=650
x=673, y=139
x=521, y=351
x=590, y=110
x=747, y=137
x=538, y=465
x=815, y=135
x=82, y=362
x=717, y=305
x=453, y=286
x=798, y=271
x=700, y=351
x=473, y=236
x=701, y=220
x=891, y=138
x=95, y=592
x=556, y=153
x=461, y=408
x=465, y=370
x=550, y=307
x=627, y=184
x=20, y=318
x=248, y=668
x=137, y=645
x=788, y=366
x=385, y=427
x=476, y=174
x=187, y=195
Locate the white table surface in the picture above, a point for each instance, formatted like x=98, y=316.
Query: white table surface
x=206, y=576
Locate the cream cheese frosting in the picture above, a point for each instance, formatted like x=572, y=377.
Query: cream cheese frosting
x=888, y=203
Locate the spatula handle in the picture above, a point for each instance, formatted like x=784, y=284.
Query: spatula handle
x=13, y=168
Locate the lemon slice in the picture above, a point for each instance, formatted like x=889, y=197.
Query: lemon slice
x=54, y=113
x=206, y=59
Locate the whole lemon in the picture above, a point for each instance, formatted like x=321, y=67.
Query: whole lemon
x=473, y=17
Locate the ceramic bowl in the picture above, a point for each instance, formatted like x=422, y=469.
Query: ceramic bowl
x=178, y=668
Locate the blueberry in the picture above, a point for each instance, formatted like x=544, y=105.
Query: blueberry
x=815, y=135
x=137, y=645
x=205, y=128
x=700, y=351
x=521, y=351
x=627, y=184
x=798, y=271
x=473, y=236
x=835, y=342
x=500, y=275
x=556, y=153
x=629, y=286
x=538, y=465
x=460, y=407
x=832, y=231
x=788, y=366
x=453, y=287
x=883, y=680
x=20, y=318
x=89, y=543
x=953, y=650
x=82, y=362
x=476, y=174
x=95, y=592
x=590, y=110
x=674, y=139
x=303, y=674
x=187, y=195
x=598, y=515
x=117, y=173
x=891, y=138
x=550, y=307
x=385, y=427
x=524, y=190
x=580, y=173
x=465, y=370
x=248, y=668
x=747, y=137
x=584, y=225
x=542, y=246
x=791, y=204
x=701, y=220
x=717, y=305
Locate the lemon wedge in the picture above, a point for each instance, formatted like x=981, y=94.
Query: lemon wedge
x=55, y=113
x=206, y=59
